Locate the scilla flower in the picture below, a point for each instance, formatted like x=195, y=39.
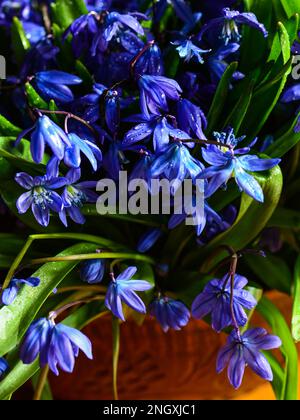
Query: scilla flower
x=229, y=23
x=245, y=350
x=191, y=119
x=149, y=239
x=3, y=366
x=215, y=300
x=154, y=91
x=122, y=289
x=40, y=196
x=76, y=194
x=56, y=344
x=92, y=271
x=46, y=132
x=227, y=163
x=10, y=293
x=187, y=50
x=170, y=313
x=53, y=84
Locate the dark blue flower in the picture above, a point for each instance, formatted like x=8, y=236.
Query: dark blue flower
x=229, y=23
x=157, y=126
x=187, y=50
x=150, y=62
x=245, y=350
x=291, y=94
x=34, y=32
x=83, y=30
x=175, y=163
x=3, y=366
x=215, y=300
x=10, y=293
x=149, y=239
x=217, y=62
x=142, y=169
x=75, y=195
x=92, y=271
x=40, y=196
x=116, y=22
x=226, y=164
x=170, y=313
x=154, y=91
x=57, y=345
x=191, y=119
x=53, y=84
x=122, y=289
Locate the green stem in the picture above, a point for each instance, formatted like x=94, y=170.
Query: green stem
x=41, y=383
x=75, y=236
x=116, y=352
x=104, y=255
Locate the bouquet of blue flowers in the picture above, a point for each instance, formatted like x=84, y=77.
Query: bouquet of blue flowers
x=149, y=164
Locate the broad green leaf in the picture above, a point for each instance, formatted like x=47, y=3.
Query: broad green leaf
x=291, y=7
x=285, y=218
x=251, y=219
x=20, y=373
x=7, y=128
x=272, y=271
x=20, y=42
x=279, y=326
x=64, y=12
x=16, y=317
x=278, y=375
x=291, y=26
x=296, y=303
x=220, y=97
x=286, y=142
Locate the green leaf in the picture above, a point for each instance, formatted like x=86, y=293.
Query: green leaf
x=34, y=99
x=272, y=271
x=20, y=373
x=296, y=303
x=19, y=156
x=8, y=129
x=16, y=318
x=220, y=97
x=20, y=42
x=278, y=375
x=291, y=7
x=279, y=326
x=252, y=218
x=286, y=142
x=84, y=74
x=64, y=12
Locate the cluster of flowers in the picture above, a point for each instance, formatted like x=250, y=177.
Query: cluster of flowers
x=124, y=57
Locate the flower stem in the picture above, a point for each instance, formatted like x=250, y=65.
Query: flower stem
x=116, y=353
x=41, y=383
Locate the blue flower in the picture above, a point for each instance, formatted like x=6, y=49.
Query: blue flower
x=3, y=366
x=191, y=119
x=226, y=164
x=40, y=196
x=92, y=271
x=57, y=345
x=142, y=169
x=34, y=32
x=175, y=163
x=170, y=313
x=122, y=289
x=154, y=91
x=243, y=351
x=46, y=132
x=229, y=23
x=291, y=94
x=188, y=50
x=116, y=22
x=72, y=155
x=215, y=299
x=53, y=84
x=75, y=195
x=10, y=293
x=149, y=239
x=157, y=126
